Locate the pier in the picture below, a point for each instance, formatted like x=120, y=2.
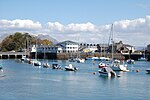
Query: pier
x=12, y=55
x=64, y=56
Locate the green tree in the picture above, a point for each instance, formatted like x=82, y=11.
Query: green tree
x=21, y=41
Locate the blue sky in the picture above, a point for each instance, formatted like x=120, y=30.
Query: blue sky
x=97, y=12
x=74, y=11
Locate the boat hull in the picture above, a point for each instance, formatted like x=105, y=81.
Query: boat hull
x=106, y=71
x=148, y=71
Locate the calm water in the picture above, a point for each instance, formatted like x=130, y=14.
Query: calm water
x=26, y=82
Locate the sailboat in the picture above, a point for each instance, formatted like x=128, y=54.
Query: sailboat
x=116, y=65
x=130, y=61
x=79, y=59
x=24, y=57
x=107, y=71
x=36, y=62
x=45, y=64
x=143, y=58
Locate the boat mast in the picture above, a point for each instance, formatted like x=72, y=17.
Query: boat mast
x=112, y=50
x=36, y=50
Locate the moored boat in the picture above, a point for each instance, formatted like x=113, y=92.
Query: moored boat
x=102, y=64
x=118, y=66
x=71, y=60
x=130, y=61
x=148, y=71
x=70, y=67
x=80, y=60
x=1, y=69
x=142, y=59
x=56, y=66
x=92, y=58
x=46, y=65
x=107, y=71
x=37, y=63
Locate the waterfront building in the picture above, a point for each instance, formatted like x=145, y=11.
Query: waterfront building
x=68, y=46
x=84, y=47
x=148, y=48
x=49, y=49
x=122, y=48
x=46, y=49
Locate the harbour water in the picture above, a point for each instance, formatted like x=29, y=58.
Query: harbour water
x=21, y=81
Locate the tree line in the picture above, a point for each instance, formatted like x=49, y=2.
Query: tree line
x=20, y=41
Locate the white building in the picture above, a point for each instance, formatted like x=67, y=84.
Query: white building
x=69, y=46
x=32, y=49
x=46, y=49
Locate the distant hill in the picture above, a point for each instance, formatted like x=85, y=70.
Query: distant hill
x=41, y=36
x=139, y=48
x=3, y=36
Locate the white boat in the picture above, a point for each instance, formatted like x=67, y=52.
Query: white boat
x=104, y=59
x=92, y=58
x=80, y=60
x=142, y=59
x=148, y=71
x=102, y=64
x=70, y=67
x=25, y=59
x=46, y=65
x=37, y=63
x=1, y=69
x=71, y=60
x=107, y=71
x=56, y=66
x=130, y=61
x=118, y=66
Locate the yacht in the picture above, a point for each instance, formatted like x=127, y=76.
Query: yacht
x=107, y=71
x=118, y=66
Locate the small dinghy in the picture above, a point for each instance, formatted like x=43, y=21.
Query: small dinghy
x=70, y=68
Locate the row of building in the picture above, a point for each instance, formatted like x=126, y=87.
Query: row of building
x=73, y=47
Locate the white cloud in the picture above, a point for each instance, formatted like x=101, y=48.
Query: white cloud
x=134, y=32
x=19, y=24
x=85, y=27
x=73, y=27
x=56, y=26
